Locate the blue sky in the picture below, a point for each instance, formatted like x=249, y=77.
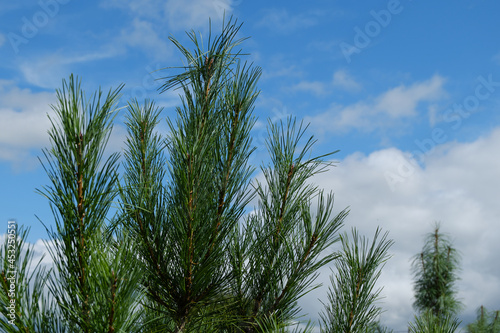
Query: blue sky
x=408, y=90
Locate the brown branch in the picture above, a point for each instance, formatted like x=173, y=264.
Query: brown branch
x=81, y=211
x=208, y=65
x=188, y=279
x=259, y=298
x=314, y=238
x=284, y=201
x=182, y=325
x=81, y=226
x=143, y=152
x=223, y=190
x=114, y=280
x=138, y=218
x=257, y=303
x=136, y=215
x=208, y=77
x=356, y=295
x=423, y=263
x=144, y=235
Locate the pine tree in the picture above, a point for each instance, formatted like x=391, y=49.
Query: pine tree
x=486, y=322
x=436, y=271
x=428, y=322
x=181, y=216
x=208, y=265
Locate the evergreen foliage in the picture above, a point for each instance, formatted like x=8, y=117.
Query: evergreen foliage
x=207, y=265
x=279, y=249
x=351, y=298
x=428, y=322
x=436, y=271
x=94, y=282
x=486, y=322
x=22, y=284
x=183, y=253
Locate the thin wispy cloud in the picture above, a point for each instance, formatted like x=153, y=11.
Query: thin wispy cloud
x=139, y=8
x=47, y=71
x=271, y=72
x=496, y=58
x=341, y=80
x=283, y=22
x=143, y=35
x=189, y=15
x=314, y=87
x=383, y=111
x=175, y=14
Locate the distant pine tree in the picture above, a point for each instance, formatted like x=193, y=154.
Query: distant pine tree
x=435, y=272
x=486, y=322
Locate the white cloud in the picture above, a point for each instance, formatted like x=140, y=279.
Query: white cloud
x=142, y=8
x=402, y=100
x=2, y=39
x=48, y=71
x=343, y=80
x=433, y=115
x=44, y=72
x=382, y=111
x=315, y=87
x=181, y=15
x=458, y=187
x=185, y=15
x=142, y=34
x=276, y=70
x=41, y=251
x=146, y=31
x=24, y=122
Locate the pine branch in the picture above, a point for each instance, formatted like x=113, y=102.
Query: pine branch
x=114, y=281
x=352, y=296
x=82, y=191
